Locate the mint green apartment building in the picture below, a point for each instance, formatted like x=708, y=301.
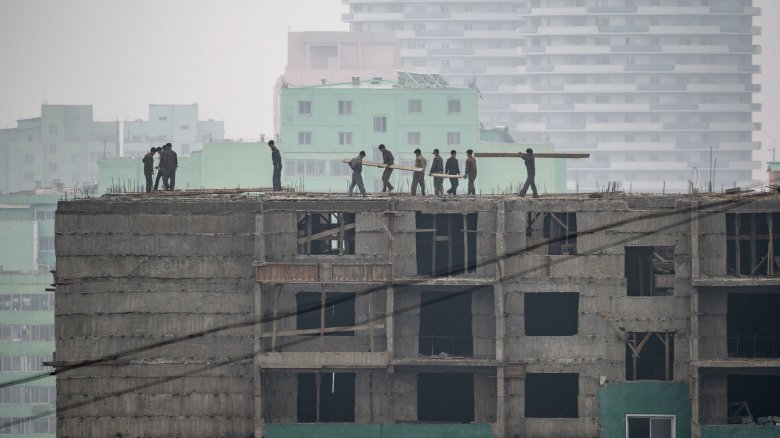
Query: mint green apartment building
x=27, y=311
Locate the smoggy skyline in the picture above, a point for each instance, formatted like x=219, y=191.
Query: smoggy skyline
x=121, y=56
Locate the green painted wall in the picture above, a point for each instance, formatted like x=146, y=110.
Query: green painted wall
x=378, y=430
x=740, y=431
x=18, y=251
x=645, y=397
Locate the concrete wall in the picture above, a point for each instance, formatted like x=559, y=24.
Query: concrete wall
x=136, y=272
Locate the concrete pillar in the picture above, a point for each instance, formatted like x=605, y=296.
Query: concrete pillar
x=498, y=293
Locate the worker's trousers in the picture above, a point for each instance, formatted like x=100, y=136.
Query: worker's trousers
x=529, y=182
x=357, y=180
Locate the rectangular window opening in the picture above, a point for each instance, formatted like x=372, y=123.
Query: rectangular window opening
x=551, y=314
x=752, y=396
x=446, y=243
x=345, y=107
x=753, y=325
x=304, y=107
x=415, y=105
x=453, y=106
x=753, y=244
x=380, y=124
x=326, y=233
x=326, y=397
x=649, y=271
x=445, y=397
x=551, y=395
x=445, y=323
x=552, y=233
x=650, y=426
x=325, y=313
x=650, y=356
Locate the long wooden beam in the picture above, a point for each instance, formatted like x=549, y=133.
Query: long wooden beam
x=326, y=233
x=523, y=154
x=444, y=175
x=394, y=166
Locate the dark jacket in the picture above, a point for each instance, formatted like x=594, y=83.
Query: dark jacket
x=437, y=165
x=169, y=160
x=471, y=167
x=356, y=164
x=148, y=161
x=530, y=165
x=452, y=167
x=387, y=157
x=276, y=157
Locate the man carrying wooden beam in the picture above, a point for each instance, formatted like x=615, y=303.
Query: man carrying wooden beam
x=387, y=160
x=530, y=167
x=356, y=164
x=452, y=168
x=471, y=171
x=418, y=178
x=437, y=166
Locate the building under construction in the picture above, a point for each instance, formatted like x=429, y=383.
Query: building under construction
x=295, y=315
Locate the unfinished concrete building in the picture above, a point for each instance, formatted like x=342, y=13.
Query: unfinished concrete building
x=296, y=315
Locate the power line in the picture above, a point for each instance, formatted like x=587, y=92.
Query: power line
x=702, y=209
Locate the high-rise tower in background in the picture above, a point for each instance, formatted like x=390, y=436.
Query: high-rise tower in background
x=649, y=87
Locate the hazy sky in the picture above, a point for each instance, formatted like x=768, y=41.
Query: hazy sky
x=121, y=55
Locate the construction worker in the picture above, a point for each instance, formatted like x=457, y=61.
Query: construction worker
x=452, y=168
x=357, y=174
x=387, y=160
x=418, y=178
x=276, y=158
x=437, y=166
x=148, y=161
x=169, y=162
x=530, y=167
x=471, y=171
x=159, y=169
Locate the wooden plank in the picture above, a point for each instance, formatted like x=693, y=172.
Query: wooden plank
x=444, y=175
x=383, y=166
x=306, y=332
x=326, y=233
x=523, y=154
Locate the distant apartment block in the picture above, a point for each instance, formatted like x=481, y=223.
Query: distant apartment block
x=314, y=58
x=647, y=86
x=62, y=146
x=176, y=124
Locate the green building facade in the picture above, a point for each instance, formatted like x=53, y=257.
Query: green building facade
x=27, y=311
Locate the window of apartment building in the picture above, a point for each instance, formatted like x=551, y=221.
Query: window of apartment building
x=752, y=325
x=46, y=243
x=345, y=107
x=304, y=167
x=27, y=301
x=650, y=426
x=345, y=138
x=753, y=244
x=326, y=233
x=649, y=271
x=304, y=107
x=28, y=394
x=380, y=123
x=453, y=106
x=446, y=243
x=24, y=425
x=413, y=138
x=650, y=356
x=53, y=129
x=445, y=323
x=551, y=395
x=445, y=397
x=551, y=313
x=44, y=215
x=28, y=158
x=304, y=138
x=185, y=127
x=27, y=332
x=339, y=168
x=52, y=148
x=453, y=139
x=552, y=233
x=325, y=397
x=162, y=118
x=24, y=363
x=325, y=314
x=415, y=105
x=752, y=395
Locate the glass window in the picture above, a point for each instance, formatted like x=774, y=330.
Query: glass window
x=304, y=107
x=345, y=107
x=345, y=138
x=453, y=138
x=650, y=426
x=453, y=106
x=304, y=138
x=380, y=124
x=413, y=138
x=415, y=106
